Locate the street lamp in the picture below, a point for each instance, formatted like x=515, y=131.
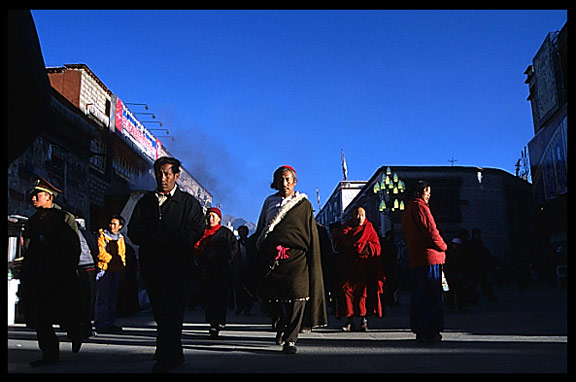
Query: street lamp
x=165, y=136
x=152, y=114
x=389, y=190
x=165, y=130
x=137, y=104
x=152, y=122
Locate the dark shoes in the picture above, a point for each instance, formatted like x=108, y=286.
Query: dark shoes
x=279, y=340
x=52, y=359
x=349, y=327
x=289, y=348
x=76, y=345
x=109, y=329
x=364, y=325
x=429, y=338
x=214, y=333
x=166, y=366
x=215, y=330
x=45, y=360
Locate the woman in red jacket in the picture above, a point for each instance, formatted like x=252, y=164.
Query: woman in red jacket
x=426, y=253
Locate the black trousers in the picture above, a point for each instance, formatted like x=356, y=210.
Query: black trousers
x=216, y=304
x=290, y=316
x=168, y=301
x=88, y=291
x=48, y=340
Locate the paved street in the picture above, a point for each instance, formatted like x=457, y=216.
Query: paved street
x=522, y=332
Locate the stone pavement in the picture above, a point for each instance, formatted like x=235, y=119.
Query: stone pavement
x=521, y=332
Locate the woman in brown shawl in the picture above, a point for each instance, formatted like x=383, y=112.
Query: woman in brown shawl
x=361, y=275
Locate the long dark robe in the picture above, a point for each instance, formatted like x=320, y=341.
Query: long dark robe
x=215, y=261
x=300, y=275
x=50, y=288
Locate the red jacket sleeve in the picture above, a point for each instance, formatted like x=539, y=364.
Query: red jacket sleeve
x=429, y=226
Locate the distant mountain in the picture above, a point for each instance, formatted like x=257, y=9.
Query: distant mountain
x=237, y=222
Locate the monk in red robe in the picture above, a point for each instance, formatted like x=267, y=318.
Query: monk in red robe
x=361, y=276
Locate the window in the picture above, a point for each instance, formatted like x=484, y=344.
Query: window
x=98, y=155
x=123, y=167
x=445, y=200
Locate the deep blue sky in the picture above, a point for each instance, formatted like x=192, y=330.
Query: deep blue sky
x=243, y=92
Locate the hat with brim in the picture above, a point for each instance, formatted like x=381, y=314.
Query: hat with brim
x=42, y=185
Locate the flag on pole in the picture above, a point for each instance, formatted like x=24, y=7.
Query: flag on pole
x=344, y=167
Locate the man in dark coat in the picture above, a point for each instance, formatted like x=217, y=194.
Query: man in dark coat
x=289, y=252
x=50, y=290
x=166, y=224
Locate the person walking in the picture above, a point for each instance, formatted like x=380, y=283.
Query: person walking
x=50, y=285
x=426, y=251
x=391, y=268
x=111, y=263
x=289, y=259
x=165, y=224
x=457, y=276
x=87, y=274
x=361, y=275
x=215, y=252
x=241, y=265
x=481, y=262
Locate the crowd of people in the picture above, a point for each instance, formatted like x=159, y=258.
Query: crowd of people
x=294, y=267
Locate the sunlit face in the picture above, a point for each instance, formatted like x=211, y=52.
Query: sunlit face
x=42, y=199
x=114, y=226
x=426, y=194
x=360, y=216
x=286, y=183
x=212, y=219
x=165, y=178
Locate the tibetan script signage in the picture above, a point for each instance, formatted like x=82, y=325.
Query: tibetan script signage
x=128, y=126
